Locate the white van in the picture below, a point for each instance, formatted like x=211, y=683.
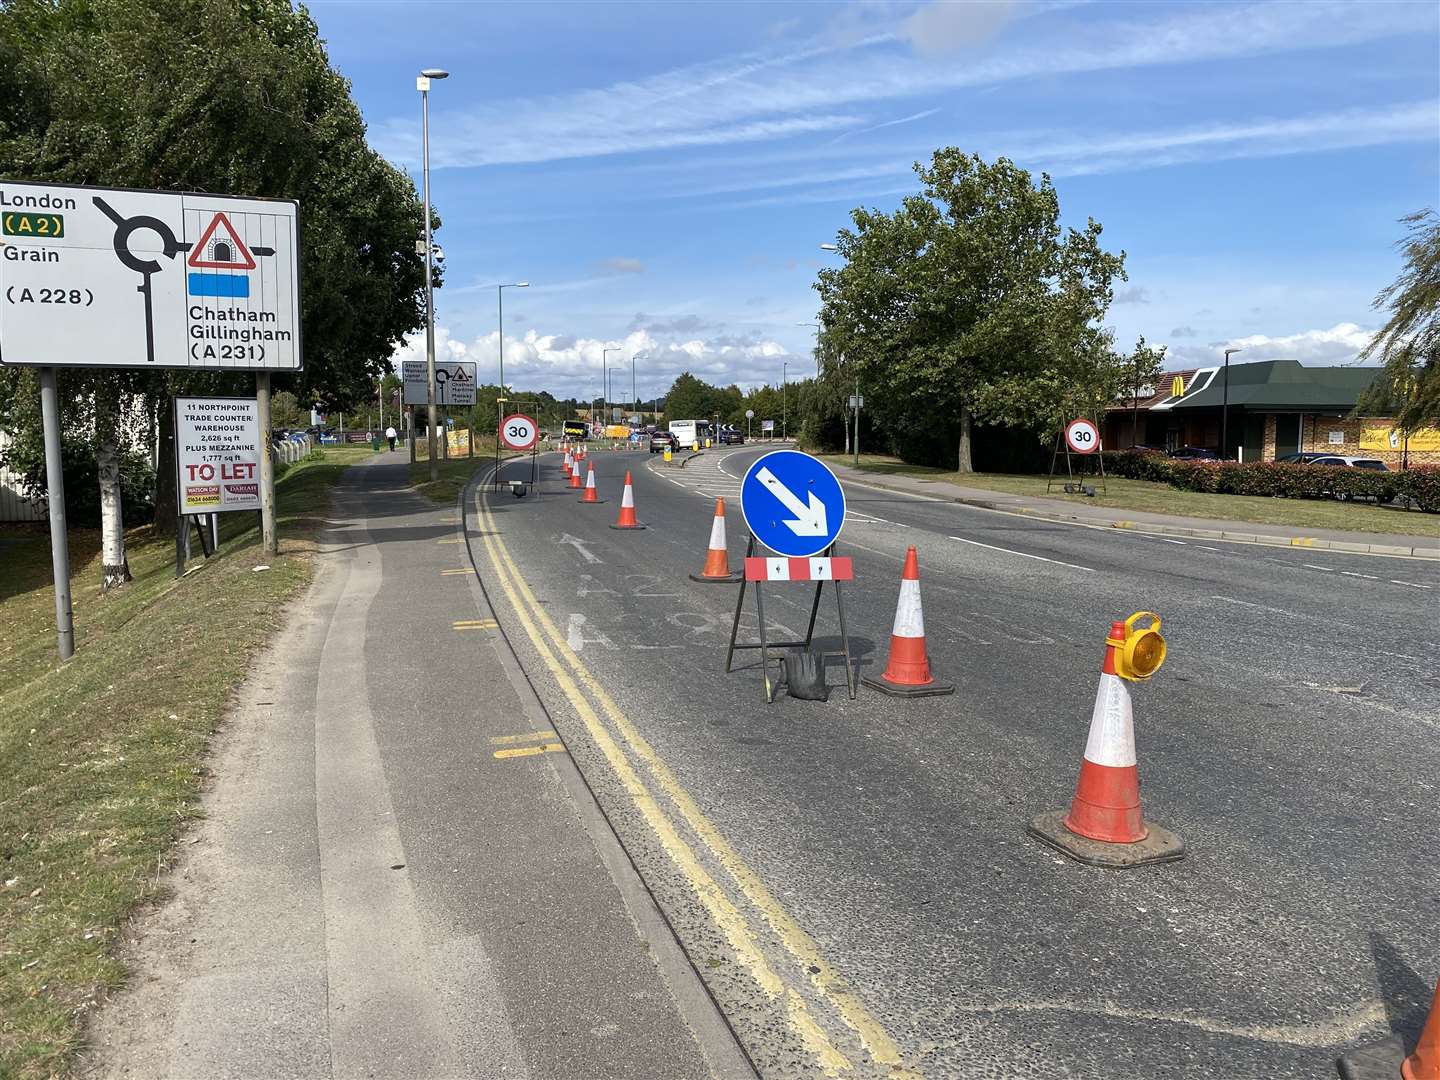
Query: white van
x=690, y=433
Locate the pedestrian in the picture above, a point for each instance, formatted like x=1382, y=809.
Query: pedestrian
x=390, y=434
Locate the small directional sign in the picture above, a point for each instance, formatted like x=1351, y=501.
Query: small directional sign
x=792, y=503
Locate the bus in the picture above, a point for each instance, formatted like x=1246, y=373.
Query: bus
x=690, y=433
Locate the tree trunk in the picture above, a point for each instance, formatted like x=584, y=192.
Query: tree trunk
x=165, y=468
x=967, y=464
x=114, y=568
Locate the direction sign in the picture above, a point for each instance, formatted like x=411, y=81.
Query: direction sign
x=792, y=503
x=1082, y=437
x=454, y=382
x=518, y=432
x=99, y=277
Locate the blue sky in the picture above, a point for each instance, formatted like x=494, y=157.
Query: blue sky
x=663, y=174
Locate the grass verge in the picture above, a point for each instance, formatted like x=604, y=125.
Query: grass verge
x=104, y=755
x=1125, y=494
x=454, y=472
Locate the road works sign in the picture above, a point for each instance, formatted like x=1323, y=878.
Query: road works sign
x=217, y=454
x=97, y=277
x=454, y=383
x=792, y=503
x=1082, y=437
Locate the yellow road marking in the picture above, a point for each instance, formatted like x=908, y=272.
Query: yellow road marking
x=474, y=624
x=449, y=573
x=823, y=976
x=530, y=736
x=722, y=910
x=531, y=751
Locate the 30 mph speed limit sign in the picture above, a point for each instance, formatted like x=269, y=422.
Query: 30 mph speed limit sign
x=518, y=432
x=1082, y=437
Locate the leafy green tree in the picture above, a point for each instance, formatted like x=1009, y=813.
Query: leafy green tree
x=1409, y=343
x=213, y=95
x=690, y=398
x=967, y=304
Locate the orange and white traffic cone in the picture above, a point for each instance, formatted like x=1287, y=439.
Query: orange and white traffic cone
x=1386, y=1060
x=1104, y=826
x=908, y=674
x=627, y=508
x=575, y=474
x=717, y=558
x=566, y=462
x=591, y=495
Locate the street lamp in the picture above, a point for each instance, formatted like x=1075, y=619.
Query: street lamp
x=422, y=83
x=605, y=378
x=816, y=325
x=829, y=247
x=1225, y=405
x=500, y=318
x=784, y=399
x=634, y=394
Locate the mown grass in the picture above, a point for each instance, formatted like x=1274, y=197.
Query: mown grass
x=104, y=755
x=1125, y=494
x=454, y=472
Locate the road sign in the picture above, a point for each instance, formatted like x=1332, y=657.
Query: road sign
x=1082, y=437
x=792, y=503
x=767, y=425
x=217, y=454
x=454, y=382
x=857, y=401
x=749, y=414
x=519, y=432
x=93, y=277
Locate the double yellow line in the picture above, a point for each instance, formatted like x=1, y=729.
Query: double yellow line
x=619, y=741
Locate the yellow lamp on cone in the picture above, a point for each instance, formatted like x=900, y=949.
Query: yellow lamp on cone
x=1142, y=651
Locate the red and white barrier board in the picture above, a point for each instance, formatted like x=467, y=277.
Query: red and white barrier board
x=836, y=568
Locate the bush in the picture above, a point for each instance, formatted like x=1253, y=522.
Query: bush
x=1285, y=481
x=82, y=480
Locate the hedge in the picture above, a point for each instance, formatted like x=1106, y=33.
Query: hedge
x=1420, y=484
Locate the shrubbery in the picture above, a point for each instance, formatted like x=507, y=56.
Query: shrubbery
x=1281, y=480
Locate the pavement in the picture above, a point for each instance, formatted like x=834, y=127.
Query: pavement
x=401, y=873
x=1166, y=524
x=853, y=880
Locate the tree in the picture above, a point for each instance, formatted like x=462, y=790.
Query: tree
x=1409, y=343
x=690, y=398
x=211, y=95
x=968, y=303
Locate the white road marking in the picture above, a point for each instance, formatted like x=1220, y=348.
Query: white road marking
x=1352, y=573
x=1024, y=554
x=1166, y=540
x=579, y=545
x=1257, y=607
x=575, y=634
x=1412, y=584
x=1312, y=566
x=1202, y=547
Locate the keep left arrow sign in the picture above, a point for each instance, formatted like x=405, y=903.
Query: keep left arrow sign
x=810, y=518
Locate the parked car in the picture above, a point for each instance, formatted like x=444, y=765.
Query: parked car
x=663, y=440
x=1194, y=453
x=1373, y=464
x=731, y=436
x=1306, y=458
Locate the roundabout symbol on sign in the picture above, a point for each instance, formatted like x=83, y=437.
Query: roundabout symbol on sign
x=1082, y=437
x=518, y=432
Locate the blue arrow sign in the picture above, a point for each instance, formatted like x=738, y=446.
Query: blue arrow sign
x=792, y=503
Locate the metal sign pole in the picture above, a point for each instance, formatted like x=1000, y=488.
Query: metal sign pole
x=55, y=492
x=267, y=466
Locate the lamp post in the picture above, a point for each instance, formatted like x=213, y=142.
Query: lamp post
x=784, y=401
x=816, y=325
x=1225, y=406
x=422, y=83
x=634, y=394
x=500, y=319
x=605, y=379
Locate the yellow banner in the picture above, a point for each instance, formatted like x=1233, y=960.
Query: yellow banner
x=459, y=441
x=1388, y=438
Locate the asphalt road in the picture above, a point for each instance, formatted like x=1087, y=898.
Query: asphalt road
x=853, y=878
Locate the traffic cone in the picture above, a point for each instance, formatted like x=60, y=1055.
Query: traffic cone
x=717, y=558
x=567, y=463
x=908, y=672
x=591, y=495
x=627, y=508
x=575, y=475
x=1104, y=826
x=1386, y=1060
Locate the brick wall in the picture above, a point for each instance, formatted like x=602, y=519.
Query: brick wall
x=1316, y=438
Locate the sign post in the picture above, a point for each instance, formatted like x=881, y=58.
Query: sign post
x=793, y=504
x=125, y=278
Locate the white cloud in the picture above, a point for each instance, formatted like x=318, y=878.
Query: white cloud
x=944, y=26
x=570, y=366
x=1135, y=294
x=759, y=96
x=1340, y=345
x=620, y=264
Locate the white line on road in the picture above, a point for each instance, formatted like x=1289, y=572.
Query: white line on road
x=1312, y=566
x=1024, y=554
x=1166, y=540
x=1352, y=573
x=1410, y=583
x=1258, y=607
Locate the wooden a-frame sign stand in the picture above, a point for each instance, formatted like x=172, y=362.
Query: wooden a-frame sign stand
x=772, y=689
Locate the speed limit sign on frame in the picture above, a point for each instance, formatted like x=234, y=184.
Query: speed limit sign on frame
x=518, y=432
x=1082, y=437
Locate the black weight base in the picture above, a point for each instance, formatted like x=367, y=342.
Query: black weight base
x=1160, y=846
x=628, y=528
x=1378, y=1061
x=729, y=579
x=933, y=688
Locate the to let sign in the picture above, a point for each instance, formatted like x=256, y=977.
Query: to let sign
x=217, y=454
x=106, y=277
